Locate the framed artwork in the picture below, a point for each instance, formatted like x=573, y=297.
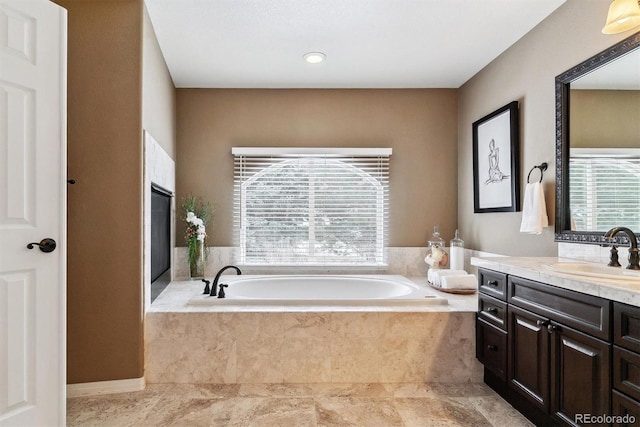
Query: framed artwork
x=496, y=172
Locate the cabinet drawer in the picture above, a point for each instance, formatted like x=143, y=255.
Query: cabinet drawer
x=626, y=372
x=626, y=326
x=624, y=407
x=491, y=348
x=493, y=283
x=586, y=313
x=493, y=311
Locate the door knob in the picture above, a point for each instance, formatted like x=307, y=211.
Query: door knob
x=45, y=245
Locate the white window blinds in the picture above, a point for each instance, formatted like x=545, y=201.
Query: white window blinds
x=311, y=207
x=604, y=189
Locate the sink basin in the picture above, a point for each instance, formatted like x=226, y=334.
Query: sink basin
x=594, y=270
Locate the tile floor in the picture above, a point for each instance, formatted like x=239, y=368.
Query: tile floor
x=375, y=405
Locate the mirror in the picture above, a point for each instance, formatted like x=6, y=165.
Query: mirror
x=598, y=145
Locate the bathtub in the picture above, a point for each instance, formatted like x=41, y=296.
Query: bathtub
x=330, y=290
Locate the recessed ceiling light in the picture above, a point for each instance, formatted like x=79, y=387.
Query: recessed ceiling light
x=314, y=57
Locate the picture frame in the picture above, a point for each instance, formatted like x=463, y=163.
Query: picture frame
x=496, y=155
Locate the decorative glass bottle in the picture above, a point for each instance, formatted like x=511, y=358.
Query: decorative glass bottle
x=457, y=252
x=436, y=255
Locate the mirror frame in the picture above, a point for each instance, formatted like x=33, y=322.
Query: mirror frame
x=563, y=82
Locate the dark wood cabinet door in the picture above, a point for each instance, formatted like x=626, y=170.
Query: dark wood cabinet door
x=580, y=374
x=528, y=367
x=626, y=408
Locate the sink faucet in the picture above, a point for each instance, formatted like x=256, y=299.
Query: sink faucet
x=634, y=252
x=214, y=286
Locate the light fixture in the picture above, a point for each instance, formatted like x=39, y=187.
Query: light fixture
x=623, y=15
x=314, y=57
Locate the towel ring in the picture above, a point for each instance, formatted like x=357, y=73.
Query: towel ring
x=542, y=167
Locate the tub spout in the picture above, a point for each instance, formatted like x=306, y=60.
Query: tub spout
x=214, y=286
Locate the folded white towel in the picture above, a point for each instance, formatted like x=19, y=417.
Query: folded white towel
x=534, y=209
x=435, y=276
x=459, y=282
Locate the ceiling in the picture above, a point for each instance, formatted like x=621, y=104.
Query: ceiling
x=368, y=43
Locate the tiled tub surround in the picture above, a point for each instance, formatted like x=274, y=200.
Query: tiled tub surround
x=298, y=344
x=406, y=261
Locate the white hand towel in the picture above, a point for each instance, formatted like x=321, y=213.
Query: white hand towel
x=534, y=209
x=435, y=276
x=459, y=282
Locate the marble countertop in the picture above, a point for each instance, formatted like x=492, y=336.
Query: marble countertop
x=176, y=295
x=533, y=268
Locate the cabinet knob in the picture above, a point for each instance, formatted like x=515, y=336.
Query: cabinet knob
x=492, y=347
x=542, y=323
x=553, y=328
x=492, y=310
x=492, y=283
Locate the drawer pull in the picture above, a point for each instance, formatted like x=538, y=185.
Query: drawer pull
x=492, y=310
x=492, y=283
x=492, y=347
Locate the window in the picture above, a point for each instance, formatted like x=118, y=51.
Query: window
x=311, y=207
x=604, y=188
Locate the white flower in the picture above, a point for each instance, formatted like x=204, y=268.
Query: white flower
x=200, y=237
x=191, y=216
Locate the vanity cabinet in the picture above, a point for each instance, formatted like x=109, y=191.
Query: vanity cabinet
x=559, y=350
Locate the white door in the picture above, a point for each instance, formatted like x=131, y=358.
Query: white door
x=32, y=208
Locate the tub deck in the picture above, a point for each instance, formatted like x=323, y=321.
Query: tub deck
x=177, y=295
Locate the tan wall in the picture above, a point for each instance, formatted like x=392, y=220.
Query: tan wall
x=104, y=288
x=158, y=92
x=605, y=118
x=420, y=126
x=526, y=72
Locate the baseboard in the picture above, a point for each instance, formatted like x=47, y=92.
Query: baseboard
x=105, y=387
